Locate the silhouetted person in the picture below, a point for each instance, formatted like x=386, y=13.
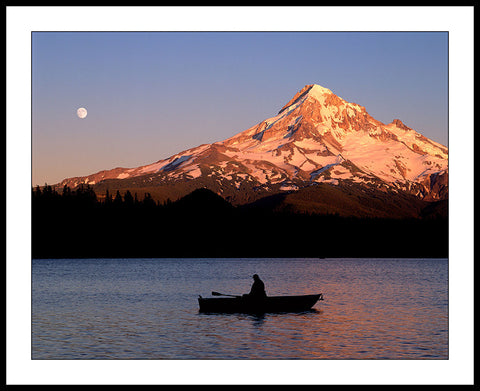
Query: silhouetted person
x=258, y=288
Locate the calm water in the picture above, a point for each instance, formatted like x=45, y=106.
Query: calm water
x=148, y=309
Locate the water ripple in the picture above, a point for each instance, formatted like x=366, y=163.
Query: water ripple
x=147, y=309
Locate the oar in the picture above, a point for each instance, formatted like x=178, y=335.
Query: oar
x=222, y=294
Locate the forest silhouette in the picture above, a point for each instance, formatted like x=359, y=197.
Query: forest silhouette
x=78, y=224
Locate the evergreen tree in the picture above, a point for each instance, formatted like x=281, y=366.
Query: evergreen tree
x=66, y=192
x=128, y=199
x=148, y=200
x=108, y=198
x=38, y=192
x=118, y=199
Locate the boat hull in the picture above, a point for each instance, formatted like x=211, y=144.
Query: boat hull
x=247, y=304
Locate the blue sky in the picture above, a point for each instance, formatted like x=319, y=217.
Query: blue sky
x=152, y=94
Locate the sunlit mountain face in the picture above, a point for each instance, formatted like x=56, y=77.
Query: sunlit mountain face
x=317, y=141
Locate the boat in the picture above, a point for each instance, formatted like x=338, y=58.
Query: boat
x=247, y=304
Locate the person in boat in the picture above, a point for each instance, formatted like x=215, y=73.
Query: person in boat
x=258, y=288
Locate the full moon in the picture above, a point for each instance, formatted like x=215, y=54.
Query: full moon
x=82, y=112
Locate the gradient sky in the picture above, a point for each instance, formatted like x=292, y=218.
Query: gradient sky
x=150, y=95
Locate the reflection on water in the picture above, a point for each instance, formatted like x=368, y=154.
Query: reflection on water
x=147, y=309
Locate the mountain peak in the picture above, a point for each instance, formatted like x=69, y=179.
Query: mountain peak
x=314, y=90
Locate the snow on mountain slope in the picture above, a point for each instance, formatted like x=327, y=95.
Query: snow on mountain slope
x=316, y=137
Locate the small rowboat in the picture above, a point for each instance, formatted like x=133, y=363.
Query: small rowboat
x=248, y=304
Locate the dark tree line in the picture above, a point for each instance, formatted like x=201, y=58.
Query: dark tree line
x=77, y=223
x=85, y=196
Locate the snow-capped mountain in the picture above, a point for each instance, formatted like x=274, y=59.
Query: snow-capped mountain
x=317, y=137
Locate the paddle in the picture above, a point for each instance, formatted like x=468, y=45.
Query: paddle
x=222, y=294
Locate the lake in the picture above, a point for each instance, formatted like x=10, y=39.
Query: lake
x=382, y=309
